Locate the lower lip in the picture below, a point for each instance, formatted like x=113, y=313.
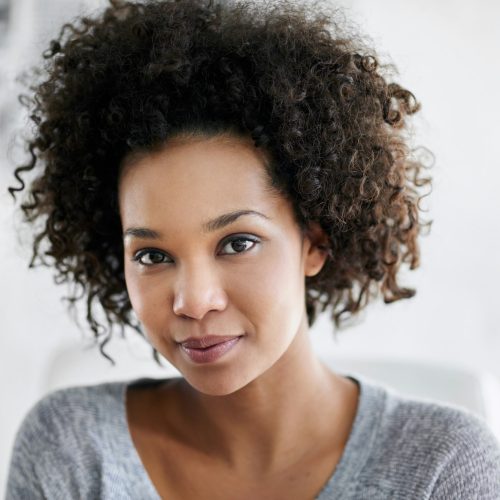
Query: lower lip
x=212, y=353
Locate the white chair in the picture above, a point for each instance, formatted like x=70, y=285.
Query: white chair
x=76, y=363
x=478, y=392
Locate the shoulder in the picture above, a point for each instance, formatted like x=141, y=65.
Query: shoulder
x=468, y=454
x=447, y=448
x=63, y=436
x=437, y=425
x=54, y=416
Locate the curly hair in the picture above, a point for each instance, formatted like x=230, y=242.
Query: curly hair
x=296, y=79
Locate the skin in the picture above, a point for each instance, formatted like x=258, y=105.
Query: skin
x=200, y=283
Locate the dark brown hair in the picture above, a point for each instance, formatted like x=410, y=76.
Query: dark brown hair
x=304, y=86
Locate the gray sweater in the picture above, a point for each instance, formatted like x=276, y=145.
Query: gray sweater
x=75, y=444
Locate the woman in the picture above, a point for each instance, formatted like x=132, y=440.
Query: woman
x=223, y=173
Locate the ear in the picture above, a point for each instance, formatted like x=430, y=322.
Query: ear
x=316, y=247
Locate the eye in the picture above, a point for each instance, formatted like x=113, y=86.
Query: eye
x=149, y=257
x=240, y=244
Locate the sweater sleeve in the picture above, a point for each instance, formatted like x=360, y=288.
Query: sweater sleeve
x=57, y=451
x=472, y=470
x=74, y=443
x=22, y=479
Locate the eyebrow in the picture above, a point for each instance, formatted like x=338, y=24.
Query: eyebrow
x=207, y=227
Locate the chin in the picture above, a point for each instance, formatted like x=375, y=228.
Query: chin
x=211, y=385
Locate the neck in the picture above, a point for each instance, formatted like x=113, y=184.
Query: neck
x=269, y=424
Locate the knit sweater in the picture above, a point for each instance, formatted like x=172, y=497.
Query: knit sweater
x=75, y=443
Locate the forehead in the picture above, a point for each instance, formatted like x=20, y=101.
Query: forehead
x=195, y=179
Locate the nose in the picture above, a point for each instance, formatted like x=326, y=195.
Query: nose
x=198, y=290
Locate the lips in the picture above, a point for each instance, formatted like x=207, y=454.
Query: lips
x=207, y=341
x=211, y=354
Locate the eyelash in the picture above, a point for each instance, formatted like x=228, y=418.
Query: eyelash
x=137, y=257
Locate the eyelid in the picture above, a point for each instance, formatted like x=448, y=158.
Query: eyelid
x=137, y=255
x=240, y=236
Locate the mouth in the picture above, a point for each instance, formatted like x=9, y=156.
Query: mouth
x=211, y=353
x=206, y=341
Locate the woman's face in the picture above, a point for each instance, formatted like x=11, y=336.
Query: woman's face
x=193, y=270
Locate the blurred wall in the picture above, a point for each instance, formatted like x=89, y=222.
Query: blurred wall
x=447, y=53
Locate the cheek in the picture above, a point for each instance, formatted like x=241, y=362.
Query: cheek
x=146, y=297
x=281, y=276
x=271, y=292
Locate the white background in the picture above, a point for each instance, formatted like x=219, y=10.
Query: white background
x=447, y=53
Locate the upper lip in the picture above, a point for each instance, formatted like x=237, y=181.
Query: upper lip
x=207, y=341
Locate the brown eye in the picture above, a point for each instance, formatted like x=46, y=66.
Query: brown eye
x=239, y=245
x=149, y=257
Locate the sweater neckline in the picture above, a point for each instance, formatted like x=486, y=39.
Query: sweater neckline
x=371, y=402
x=361, y=441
